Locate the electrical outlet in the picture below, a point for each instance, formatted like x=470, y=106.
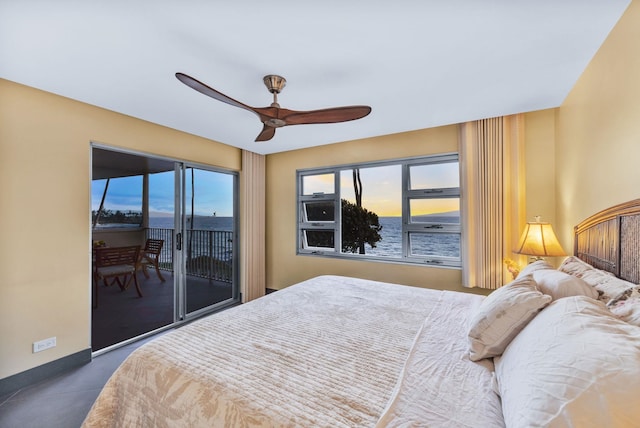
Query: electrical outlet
x=44, y=344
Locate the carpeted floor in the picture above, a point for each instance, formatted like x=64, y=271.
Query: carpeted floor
x=121, y=315
x=64, y=400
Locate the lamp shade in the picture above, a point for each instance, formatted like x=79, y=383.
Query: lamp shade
x=538, y=239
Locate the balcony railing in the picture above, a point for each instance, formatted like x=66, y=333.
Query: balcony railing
x=209, y=252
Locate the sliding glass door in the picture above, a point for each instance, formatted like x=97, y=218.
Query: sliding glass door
x=185, y=215
x=207, y=237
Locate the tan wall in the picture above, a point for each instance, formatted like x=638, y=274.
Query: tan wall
x=284, y=267
x=540, y=160
x=598, y=130
x=540, y=178
x=45, y=244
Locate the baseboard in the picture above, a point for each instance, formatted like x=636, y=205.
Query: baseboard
x=29, y=377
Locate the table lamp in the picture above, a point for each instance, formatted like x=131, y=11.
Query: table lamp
x=539, y=240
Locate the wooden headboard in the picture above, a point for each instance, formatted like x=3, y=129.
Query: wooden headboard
x=610, y=240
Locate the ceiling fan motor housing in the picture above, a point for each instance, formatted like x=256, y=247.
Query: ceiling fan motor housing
x=275, y=123
x=274, y=83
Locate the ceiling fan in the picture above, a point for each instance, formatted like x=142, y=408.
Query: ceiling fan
x=275, y=117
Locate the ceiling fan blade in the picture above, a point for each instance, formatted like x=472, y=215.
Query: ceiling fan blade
x=267, y=133
x=206, y=90
x=273, y=116
x=328, y=115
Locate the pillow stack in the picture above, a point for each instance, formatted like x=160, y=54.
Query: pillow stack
x=506, y=311
x=562, y=356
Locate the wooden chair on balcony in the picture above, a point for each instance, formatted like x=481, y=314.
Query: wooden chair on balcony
x=118, y=265
x=150, y=256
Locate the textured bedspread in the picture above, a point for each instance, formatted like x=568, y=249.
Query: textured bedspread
x=327, y=352
x=439, y=385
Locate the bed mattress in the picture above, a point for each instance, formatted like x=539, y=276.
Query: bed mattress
x=328, y=352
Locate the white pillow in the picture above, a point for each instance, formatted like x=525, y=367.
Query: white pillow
x=501, y=316
x=605, y=283
x=532, y=267
x=574, y=364
x=558, y=284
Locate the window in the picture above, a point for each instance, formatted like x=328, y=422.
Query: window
x=403, y=210
x=116, y=202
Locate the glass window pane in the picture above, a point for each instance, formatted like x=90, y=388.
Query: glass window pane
x=391, y=243
x=161, y=201
x=319, y=211
x=208, y=241
x=434, y=176
x=122, y=202
x=319, y=238
x=445, y=210
x=372, y=197
x=434, y=244
x=322, y=183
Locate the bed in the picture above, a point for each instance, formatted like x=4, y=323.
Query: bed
x=557, y=347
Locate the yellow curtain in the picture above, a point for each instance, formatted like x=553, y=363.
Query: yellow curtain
x=252, y=226
x=492, y=197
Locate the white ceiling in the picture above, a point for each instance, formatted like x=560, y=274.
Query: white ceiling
x=417, y=63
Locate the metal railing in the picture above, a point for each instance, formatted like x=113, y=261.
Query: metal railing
x=209, y=252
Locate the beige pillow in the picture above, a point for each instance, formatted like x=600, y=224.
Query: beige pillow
x=535, y=266
x=574, y=266
x=501, y=316
x=558, y=284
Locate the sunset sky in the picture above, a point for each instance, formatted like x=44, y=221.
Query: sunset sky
x=382, y=188
x=214, y=191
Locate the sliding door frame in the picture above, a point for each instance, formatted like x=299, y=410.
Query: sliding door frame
x=180, y=314
x=180, y=234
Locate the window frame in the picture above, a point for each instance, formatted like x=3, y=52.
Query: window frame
x=303, y=224
x=408, y=226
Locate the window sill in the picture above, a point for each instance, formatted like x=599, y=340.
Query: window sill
x=407, y=262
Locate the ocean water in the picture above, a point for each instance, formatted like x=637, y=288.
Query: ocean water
x=199, y=222
x=422, y=244
x=389, y=246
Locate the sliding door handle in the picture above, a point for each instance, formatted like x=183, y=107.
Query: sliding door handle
x=179, y=241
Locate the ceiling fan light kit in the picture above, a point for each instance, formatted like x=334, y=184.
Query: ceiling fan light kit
x=273, y=116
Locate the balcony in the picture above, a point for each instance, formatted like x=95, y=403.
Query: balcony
x=122, y=315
